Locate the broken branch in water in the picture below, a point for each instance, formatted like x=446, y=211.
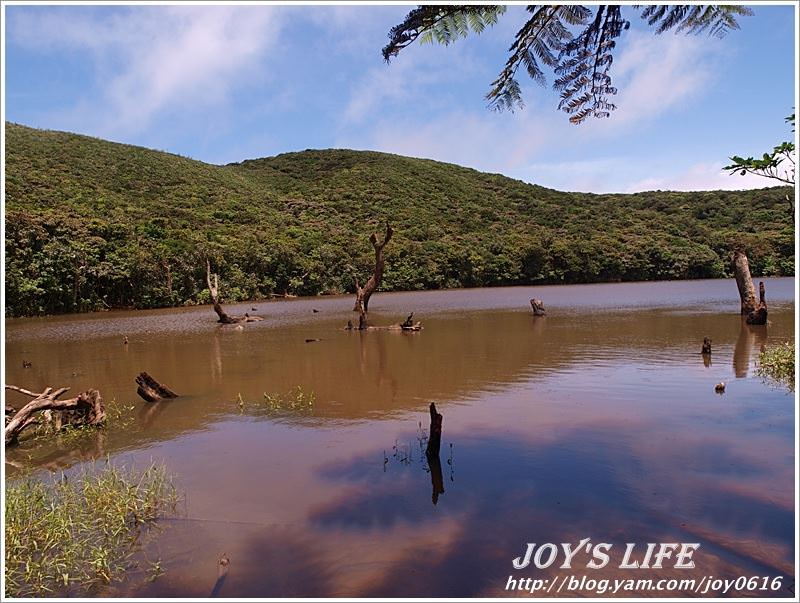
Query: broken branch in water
x=86, y=409
x=151, y=390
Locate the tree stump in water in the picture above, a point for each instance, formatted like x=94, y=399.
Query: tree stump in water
x=432, y=454
x=759, y=315
x=744, y=282
x=151, y=390
x=538, y=307
x=435, y=436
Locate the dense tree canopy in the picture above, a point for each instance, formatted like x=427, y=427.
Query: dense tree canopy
x=576, y=42
x=92, y=224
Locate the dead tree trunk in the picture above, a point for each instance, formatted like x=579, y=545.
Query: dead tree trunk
x=744, y=282
x=224, y=317
x=435, y=437
x=538, y=307
x=86, y=409
x=432, y=454
x=364, y=293
x=759, y=315
x=151, y=390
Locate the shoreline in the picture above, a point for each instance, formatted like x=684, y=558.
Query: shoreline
x=295, y=298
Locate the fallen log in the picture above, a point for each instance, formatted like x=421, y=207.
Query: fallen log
x=417, y=326
x=151, y=390
x=86, y=409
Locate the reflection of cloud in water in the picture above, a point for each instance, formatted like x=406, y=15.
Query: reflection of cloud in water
x=274, y=561
x=587, y=484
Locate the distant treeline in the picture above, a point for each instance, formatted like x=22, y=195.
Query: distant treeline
x=92, y=224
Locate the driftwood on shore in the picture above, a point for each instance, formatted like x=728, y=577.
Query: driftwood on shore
x=85, y=409
x=224, y=317
x=151, y=390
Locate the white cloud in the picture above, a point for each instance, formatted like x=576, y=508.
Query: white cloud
x=654, y=74
x=701, y=177
x=408, y=80
x=154, y=59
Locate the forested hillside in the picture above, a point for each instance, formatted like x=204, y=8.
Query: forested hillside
x=92, y=224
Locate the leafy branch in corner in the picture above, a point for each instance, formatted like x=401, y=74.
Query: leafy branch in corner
x=576, y=42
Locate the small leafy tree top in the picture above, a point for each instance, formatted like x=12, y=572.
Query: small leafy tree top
x=576, y=42
x=778, y=165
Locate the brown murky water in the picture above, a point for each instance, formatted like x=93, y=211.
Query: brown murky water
x=599, y=420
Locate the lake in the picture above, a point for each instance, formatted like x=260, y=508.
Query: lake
x=597, y=421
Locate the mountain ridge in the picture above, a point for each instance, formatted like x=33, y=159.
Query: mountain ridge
x=95, y=224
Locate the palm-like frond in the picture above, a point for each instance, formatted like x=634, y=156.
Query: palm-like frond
x=443, y=24
x=694, y=19
x=540, y=40
x=581, y=60
x=585, y=61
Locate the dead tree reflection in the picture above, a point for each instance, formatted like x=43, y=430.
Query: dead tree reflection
x=750, y=336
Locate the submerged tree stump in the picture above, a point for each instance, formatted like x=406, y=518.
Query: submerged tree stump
x=151, y=390
x=759, y=315
x=432, y=454
x=86, y=409
x=755, y=312
x=538, y=307
x=435, y=437
x=744, y=282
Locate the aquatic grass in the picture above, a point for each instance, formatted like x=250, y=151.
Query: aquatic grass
x=117, y=415
x=296, y=402
x=778, y=364
x=75, y=532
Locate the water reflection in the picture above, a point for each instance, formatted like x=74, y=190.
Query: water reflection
x=591, y=422
x=585, y=484
x=751, y=337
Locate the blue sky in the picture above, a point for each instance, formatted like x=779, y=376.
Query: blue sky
x=227, y=83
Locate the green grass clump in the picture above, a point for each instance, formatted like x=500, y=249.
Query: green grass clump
x=73, y=533
x=296, y=402
x=777, y=364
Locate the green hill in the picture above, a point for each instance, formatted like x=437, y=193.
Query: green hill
x=93, y=224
